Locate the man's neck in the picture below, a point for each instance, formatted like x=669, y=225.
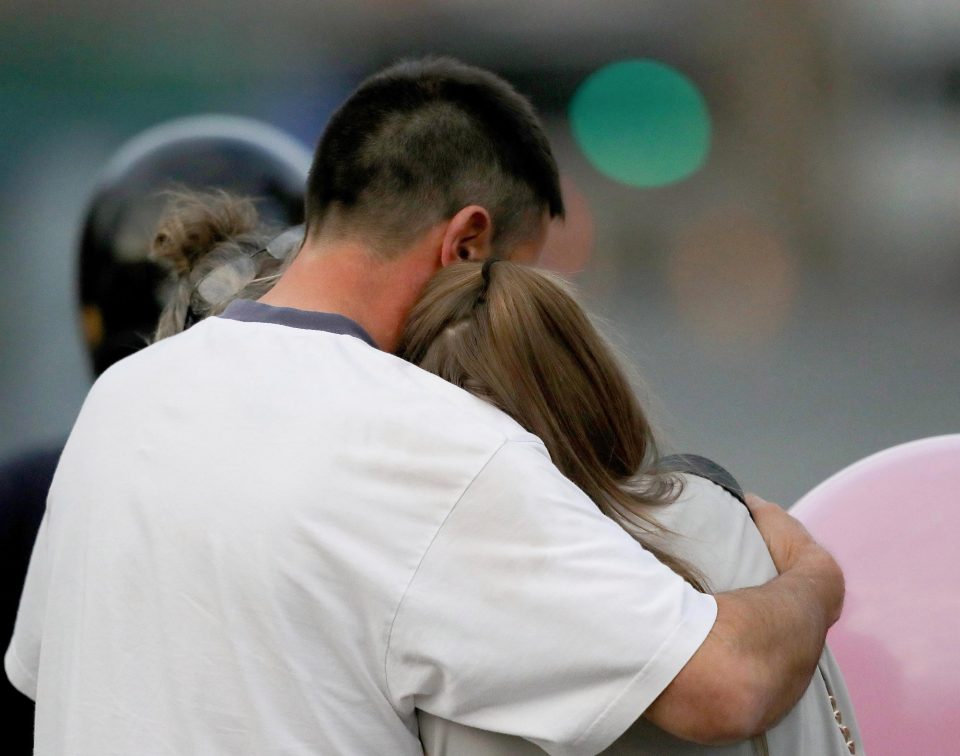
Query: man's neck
x=348, y=278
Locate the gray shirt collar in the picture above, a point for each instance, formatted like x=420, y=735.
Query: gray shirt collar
x=248, y=311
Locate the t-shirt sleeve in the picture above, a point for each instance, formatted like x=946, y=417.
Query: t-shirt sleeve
x=22, y=659
x=533, y=614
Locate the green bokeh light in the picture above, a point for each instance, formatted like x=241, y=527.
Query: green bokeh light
x=641, y=122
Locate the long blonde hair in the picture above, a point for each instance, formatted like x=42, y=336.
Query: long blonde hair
x=516, y=337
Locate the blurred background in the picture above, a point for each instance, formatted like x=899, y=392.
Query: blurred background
x=764, y=196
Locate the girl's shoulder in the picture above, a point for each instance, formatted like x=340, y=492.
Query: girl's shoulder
x=712, y=530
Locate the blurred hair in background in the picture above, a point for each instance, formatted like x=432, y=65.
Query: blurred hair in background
x=763, y=197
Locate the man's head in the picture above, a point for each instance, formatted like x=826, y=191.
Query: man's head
x=421, y=141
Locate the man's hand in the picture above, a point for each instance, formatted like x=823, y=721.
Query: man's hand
x=789, y=543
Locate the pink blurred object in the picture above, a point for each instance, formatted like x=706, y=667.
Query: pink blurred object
x=892, y=520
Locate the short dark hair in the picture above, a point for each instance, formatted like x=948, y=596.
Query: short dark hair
x=420, y=140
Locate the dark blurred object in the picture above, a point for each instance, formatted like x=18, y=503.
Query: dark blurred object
x=24, y=481
x=122, y=293
x=121, y=290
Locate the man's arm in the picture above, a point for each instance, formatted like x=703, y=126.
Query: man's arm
x=761, y=653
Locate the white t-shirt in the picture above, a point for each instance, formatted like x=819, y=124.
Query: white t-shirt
x=265, y=536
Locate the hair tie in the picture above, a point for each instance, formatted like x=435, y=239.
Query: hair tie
x=485, y=276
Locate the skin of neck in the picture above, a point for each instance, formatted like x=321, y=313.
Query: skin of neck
x=342, y=273
x=347, y=277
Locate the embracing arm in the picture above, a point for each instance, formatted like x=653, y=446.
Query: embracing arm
x=764, y=647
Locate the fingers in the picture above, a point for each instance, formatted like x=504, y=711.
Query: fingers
x=790, y=544
x=785, y=536
x=758, y=505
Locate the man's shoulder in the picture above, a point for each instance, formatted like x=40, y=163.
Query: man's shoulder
x=150, y=360
x=328, y=372
x=457, y=404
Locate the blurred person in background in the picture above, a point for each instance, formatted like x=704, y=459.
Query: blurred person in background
x=268, y=534
x=516, y=337
x=122, y=293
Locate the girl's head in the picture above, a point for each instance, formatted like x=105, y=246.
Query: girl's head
x=516, y=337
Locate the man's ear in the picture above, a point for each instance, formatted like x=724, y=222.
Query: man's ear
x=468, y=236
